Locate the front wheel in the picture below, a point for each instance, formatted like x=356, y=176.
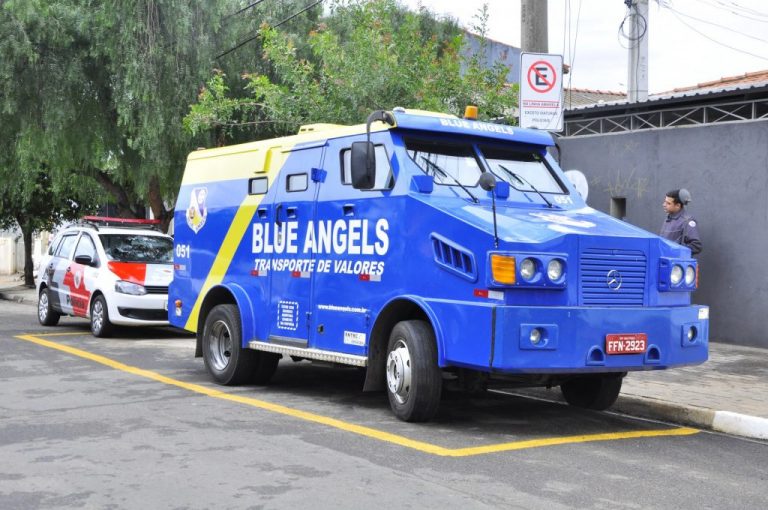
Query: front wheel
x=45, y=312
x=224, y=356
x=100, y=325
x=597, y=392
x=414, y=381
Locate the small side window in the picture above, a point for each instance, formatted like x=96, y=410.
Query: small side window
x=258, y=186
x=66, y=246
x=54, y=245
x=297, y=182
x=384, y=176
x=86, y=247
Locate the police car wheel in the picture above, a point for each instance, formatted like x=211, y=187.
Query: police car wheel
x=597, y=392
x=100, y=325
x=45, y=313
x=225, y=359
x=414, y=381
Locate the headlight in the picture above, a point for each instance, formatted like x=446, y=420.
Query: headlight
x=554, y=270
x=135, y=289
x=690, y=275
x=528, y=269
x=676, y=275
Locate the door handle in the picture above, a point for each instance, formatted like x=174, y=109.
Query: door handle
x=278, y=210
x=349, y=209
x=290, y=212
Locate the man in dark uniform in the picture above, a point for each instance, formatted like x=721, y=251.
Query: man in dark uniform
x=680, y=226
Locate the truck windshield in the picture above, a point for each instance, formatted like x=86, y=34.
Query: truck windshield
x=137, y=248
x=524, y=171
x=449, y=164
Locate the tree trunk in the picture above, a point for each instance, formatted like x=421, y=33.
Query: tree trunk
x=26, y=232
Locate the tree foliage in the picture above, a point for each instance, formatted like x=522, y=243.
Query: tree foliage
x=366, y=55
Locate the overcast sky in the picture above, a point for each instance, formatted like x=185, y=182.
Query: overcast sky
x=679, y=55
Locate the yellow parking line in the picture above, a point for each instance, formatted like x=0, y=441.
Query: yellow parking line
x=351, y=427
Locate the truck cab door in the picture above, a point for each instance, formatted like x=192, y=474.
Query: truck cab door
x=292, y=269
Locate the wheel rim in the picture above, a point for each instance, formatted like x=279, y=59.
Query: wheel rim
x=97, y=316
x=220, y=345
x=42, y=306
x=399, y=372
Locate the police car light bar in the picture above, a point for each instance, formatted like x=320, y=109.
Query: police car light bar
x=130, y=221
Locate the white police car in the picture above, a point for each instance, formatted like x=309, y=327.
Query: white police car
x=110, y=270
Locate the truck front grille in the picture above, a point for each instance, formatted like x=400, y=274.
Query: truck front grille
x=612, y=277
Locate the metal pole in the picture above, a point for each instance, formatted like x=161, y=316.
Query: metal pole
x=637, y=81
x=533, y=26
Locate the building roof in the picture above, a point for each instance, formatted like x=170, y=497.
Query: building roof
x=747, y=83
x=574, y=97
x=754, y=78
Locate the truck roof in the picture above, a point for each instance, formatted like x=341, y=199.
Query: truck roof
x=418, y=120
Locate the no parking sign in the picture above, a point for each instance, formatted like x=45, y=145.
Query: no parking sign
x=541, y=91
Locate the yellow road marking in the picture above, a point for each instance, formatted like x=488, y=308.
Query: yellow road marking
x=351, y=427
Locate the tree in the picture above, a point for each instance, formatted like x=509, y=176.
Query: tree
x=367, y=55
x=30, y=200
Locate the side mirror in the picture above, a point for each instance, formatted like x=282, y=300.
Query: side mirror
x=84, y=260
x=487, y=181
x=363, y=161
x=579, y=181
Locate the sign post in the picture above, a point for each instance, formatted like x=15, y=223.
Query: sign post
x=541, y=91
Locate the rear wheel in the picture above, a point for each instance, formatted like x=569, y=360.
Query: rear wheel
x=224, y=356
x=100, y=325
x=597, y=392
x=414, y=381
x=45, y=313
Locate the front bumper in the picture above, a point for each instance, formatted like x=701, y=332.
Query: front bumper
x=146, y=310
x=497, y=338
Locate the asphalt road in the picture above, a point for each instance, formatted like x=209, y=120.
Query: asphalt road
x=134, y=422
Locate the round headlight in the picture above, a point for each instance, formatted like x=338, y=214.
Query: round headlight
x=535, y=336
x=554, y=270
x=676, y=275
x=690, y=275
x=527, y=269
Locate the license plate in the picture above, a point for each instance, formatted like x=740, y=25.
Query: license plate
x=626, y=343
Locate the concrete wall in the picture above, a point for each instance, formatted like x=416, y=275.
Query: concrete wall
x=725, y=166
x=12, y=251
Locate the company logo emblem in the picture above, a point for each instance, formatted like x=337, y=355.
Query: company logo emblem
x=78, y=279
x=197, y=212
x=613, y=279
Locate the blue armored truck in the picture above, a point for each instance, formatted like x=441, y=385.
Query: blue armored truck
x=424, y=248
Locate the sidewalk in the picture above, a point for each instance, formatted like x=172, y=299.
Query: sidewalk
x=728, y=393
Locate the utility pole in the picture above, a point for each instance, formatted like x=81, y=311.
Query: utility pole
x=637, y=83
x=533, y=26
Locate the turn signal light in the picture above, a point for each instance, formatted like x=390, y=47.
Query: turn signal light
x=177, y=303
x=503, y=269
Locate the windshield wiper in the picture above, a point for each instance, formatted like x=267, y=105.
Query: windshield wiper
x=522, y=179
x=436, y=169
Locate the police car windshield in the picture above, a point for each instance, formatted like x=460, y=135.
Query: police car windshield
x=137, y=248
x=524, y=171
x=449, y=164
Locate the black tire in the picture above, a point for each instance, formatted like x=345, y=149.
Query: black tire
x=224, y=356
x=45, y=312
x=414, y=381
x=101, y=327
x=597, y=392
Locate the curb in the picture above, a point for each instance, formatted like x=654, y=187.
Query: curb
x=16, y=298
x=727, y=422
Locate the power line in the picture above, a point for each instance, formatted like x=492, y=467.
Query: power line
x=715, y=24
x=249, y=6
x=718, y=42
x=286, y=20
x=740, y=14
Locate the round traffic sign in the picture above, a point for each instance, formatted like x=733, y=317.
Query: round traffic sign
x=541, y=76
